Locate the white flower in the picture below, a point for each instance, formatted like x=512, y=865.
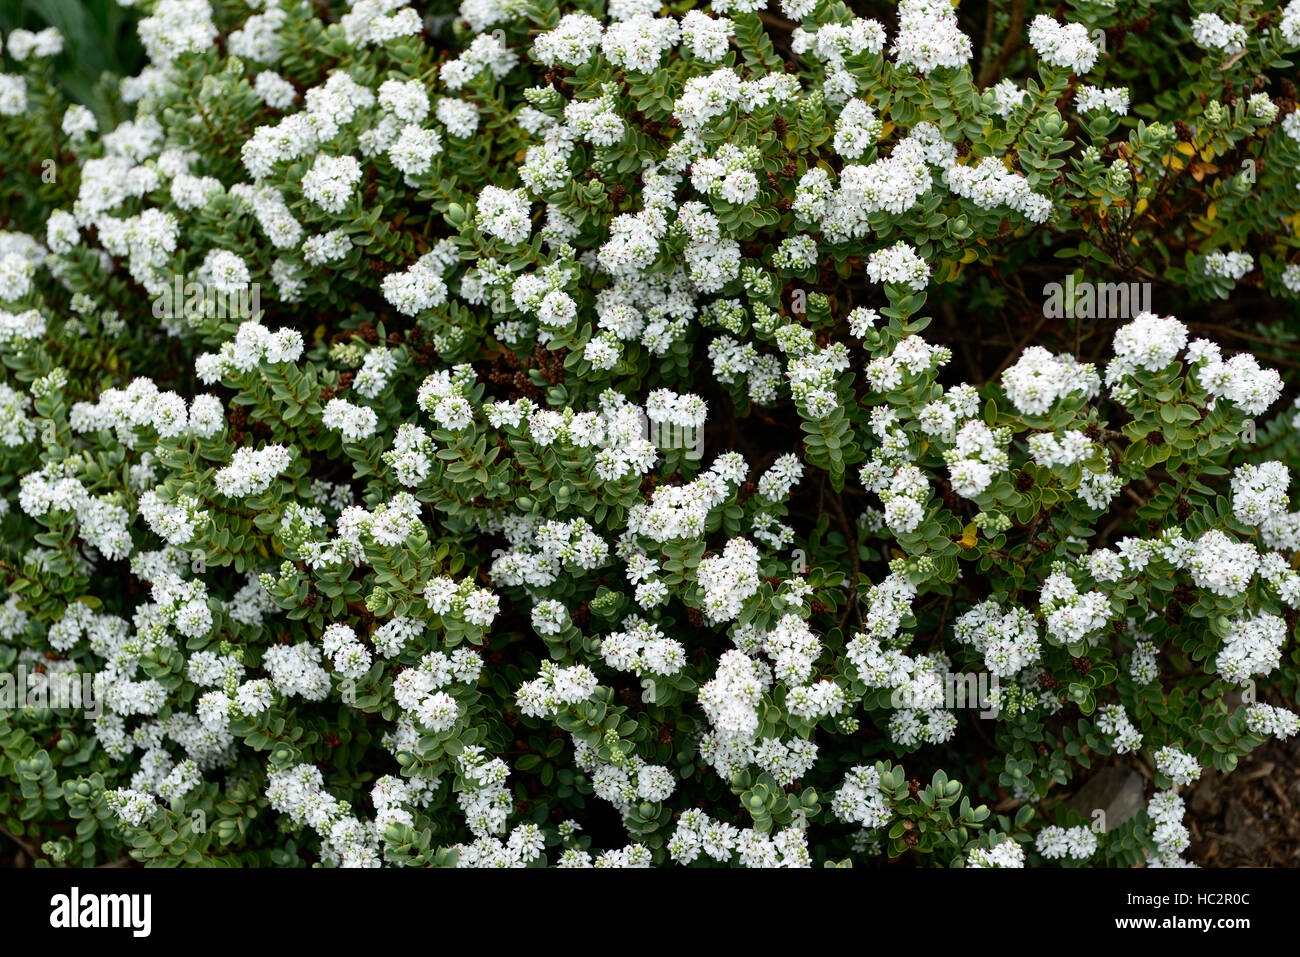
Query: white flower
x=503, y=213
x=898, y=264
x=1067, y=46
x=1212, y=32
x=331, y=180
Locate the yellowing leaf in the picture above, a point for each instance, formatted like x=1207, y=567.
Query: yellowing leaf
x=968, y=535
x=1187, y=149
x=1211, y=211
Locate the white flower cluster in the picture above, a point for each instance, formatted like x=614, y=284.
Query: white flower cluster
x=728, y=579
x=330, y=181
x=786, y=761
x=419, y=287
x=910, y=726
x=899, y=264
x=1221, y=564
x=857, y=129
x=253, y=344
x=928, y=36
x=1168, y=831
x=351, y=659
x=1252, y=646
x=624, y=784
x=1039, y=379
x=524, y=845
x=989, y=184
x=555, y=689
x=132, y=807
x=419, y=690
x=486, y=51
x=1008, y=641
x=443, y=396
x=1093, y=99
x=484, y=798
x=573, y=546
x=1005, y=853
x=1007, y=96
x=549, y=617
x=102, y=522
x=376, y=369
x=1179, y=766
x=813, y=376
x=16, y=428
x=1113, y=720
x=1212, y=32
x=978, y=454
x=1060, y=450
x=1072, y=617
x=697, y=832
x=1066, y=46
x=176, y=27
x=503, y=213
x=176, y=522
x=859, y=799
x=833, y=43
x=732, y=697
x=642, y=649
x=345, y=841
x=1290, y=25
x=1077, y=843
x=1259, y=492
x=25, y=44
x=887, y=605
x=1142, y=665
x=1229, y=265
x=685, y=411
x=296, y=670
x=355, y=422
x=1240, y=379
x=251, y=472
x=443, y=595
x=1265, y=719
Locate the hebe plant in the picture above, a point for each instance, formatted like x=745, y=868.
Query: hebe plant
x=579, y=483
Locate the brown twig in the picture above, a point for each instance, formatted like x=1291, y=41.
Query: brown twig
x=1010, y=45
x=21, y=843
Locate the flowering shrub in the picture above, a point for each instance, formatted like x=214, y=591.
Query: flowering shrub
x=528, y=434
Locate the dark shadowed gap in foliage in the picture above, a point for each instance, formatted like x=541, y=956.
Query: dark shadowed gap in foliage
x=99, y=37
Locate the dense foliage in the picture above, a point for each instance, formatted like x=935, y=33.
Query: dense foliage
x=635, y=434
